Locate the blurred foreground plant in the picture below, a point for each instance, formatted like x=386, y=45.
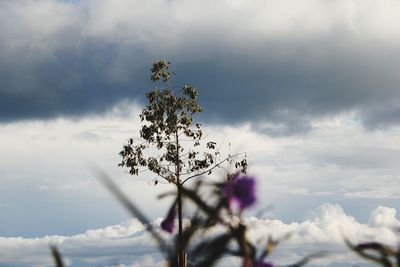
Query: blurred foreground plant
x=378, y=253
x=222, y=209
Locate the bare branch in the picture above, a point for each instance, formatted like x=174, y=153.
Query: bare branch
x=210, y=169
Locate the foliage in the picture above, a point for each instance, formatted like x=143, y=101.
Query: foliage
x=168, y=127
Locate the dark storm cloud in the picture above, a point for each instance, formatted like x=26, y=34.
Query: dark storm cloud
x=382, y=117
x=281, y=96
x=279, y=68
x=72, y=81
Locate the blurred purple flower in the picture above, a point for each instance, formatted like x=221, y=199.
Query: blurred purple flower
x=240, y=189
x=168, y=224
x=261, y=263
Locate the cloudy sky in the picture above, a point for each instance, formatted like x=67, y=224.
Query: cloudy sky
x=308, y=88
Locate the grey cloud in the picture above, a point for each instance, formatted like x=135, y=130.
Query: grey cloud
x=285, y=124
x=358, y=157
x=88, y=136
x=382, y=117
x=5, y=205
x=265, y=63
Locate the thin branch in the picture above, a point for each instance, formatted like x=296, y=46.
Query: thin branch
x=159, y=174
x=210, y=169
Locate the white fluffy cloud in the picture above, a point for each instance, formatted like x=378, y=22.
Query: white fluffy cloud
x=322, y=230
x=110, y=245
x=46, y=162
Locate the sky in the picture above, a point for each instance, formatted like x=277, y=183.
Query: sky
x=308, y=89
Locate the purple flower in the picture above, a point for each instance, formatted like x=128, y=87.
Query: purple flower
x=240, y=189
x=168, y=224
x=261, y=263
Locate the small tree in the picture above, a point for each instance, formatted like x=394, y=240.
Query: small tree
x=169, y=132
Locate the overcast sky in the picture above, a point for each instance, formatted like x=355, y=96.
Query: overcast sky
x=308, y=88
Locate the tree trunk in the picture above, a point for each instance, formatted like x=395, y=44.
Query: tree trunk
x=182, y=260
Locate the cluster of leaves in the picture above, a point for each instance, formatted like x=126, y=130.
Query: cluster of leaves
x=168, y=127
